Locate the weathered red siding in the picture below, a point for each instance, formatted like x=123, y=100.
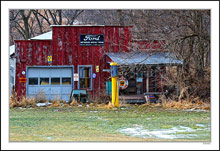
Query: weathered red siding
x=65, y=49
x=29, y=53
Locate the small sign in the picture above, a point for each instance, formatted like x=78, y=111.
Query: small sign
x=22, y=80
x=23, y=72
x=106, y=70
x=139, y=79
x=97, y=68
x=49, y=58
x=93, y=75
x=76, y=77
x=91, y=40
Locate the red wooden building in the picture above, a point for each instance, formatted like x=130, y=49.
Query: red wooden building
x=77, y=57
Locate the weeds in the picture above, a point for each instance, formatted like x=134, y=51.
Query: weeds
x=185, y=104
x=192, y=103
x=41, y=97
x=55, y=103
x=109, y=106
x=24, y=102
x=74, y=102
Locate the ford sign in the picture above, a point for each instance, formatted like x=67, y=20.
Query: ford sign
x=91, y=40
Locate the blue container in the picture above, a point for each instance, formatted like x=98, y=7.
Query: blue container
x=114, y=72
x=108, y=88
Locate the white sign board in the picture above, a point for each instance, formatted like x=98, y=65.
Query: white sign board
x=76, y=77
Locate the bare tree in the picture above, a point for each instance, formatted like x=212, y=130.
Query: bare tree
x=187, y=35
x=25, y=24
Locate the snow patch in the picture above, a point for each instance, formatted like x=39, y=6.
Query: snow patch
x=94, y=111
x=200, y=125
x=49, y=138
x=198, y=110
x=139, y=131
x=41, y=104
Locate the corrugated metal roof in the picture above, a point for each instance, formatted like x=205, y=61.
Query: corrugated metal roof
x=143, y=58
x=45, y=36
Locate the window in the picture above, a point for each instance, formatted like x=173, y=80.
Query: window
x=85, y=77
x=33, y=81
x=44, y=81
x=55, y=81
x=66, y=81
x=11, y=79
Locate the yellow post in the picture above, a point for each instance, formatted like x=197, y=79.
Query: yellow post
x=115, y=98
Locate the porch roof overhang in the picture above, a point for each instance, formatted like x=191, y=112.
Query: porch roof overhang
x=144, y=58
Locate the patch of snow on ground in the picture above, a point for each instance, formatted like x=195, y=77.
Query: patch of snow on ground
x=200, y=125
x=198, y=110
x=94, y=111
x=48, y=138
x=41, y=104
x=139, y=131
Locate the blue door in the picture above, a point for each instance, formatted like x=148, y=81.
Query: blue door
x=55, y=83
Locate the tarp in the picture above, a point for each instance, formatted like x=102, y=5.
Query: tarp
x=147, y=58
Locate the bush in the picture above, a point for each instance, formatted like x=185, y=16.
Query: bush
x=27, y=102
x=109, y=106
x=41, y=97
x=74, y=102
x=56, y=103
x=23, y=102
x=13, y=102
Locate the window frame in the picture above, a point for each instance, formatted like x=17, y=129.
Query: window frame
x=54, y=84
x=33, y=78
x=44, y=84
x=85, y=66
x=61, y=79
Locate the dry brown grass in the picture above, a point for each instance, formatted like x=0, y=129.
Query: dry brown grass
x=14, y=102
x=109, y=106
x=63, y=101
x=146, y=104
x=74, y=102
x=55, y=103
x=187, y=104
x=155, y=104
x=24, y=102
x=66, y=105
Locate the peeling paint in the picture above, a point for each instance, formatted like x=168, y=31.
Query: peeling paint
x=66, y=50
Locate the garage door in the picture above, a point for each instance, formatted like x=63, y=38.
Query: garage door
x=53, y=82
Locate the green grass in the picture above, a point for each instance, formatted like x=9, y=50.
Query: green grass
x=98, y=124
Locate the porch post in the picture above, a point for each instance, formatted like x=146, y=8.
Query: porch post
x=147, y=81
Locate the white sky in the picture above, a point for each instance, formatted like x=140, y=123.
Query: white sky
x=213, y=5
